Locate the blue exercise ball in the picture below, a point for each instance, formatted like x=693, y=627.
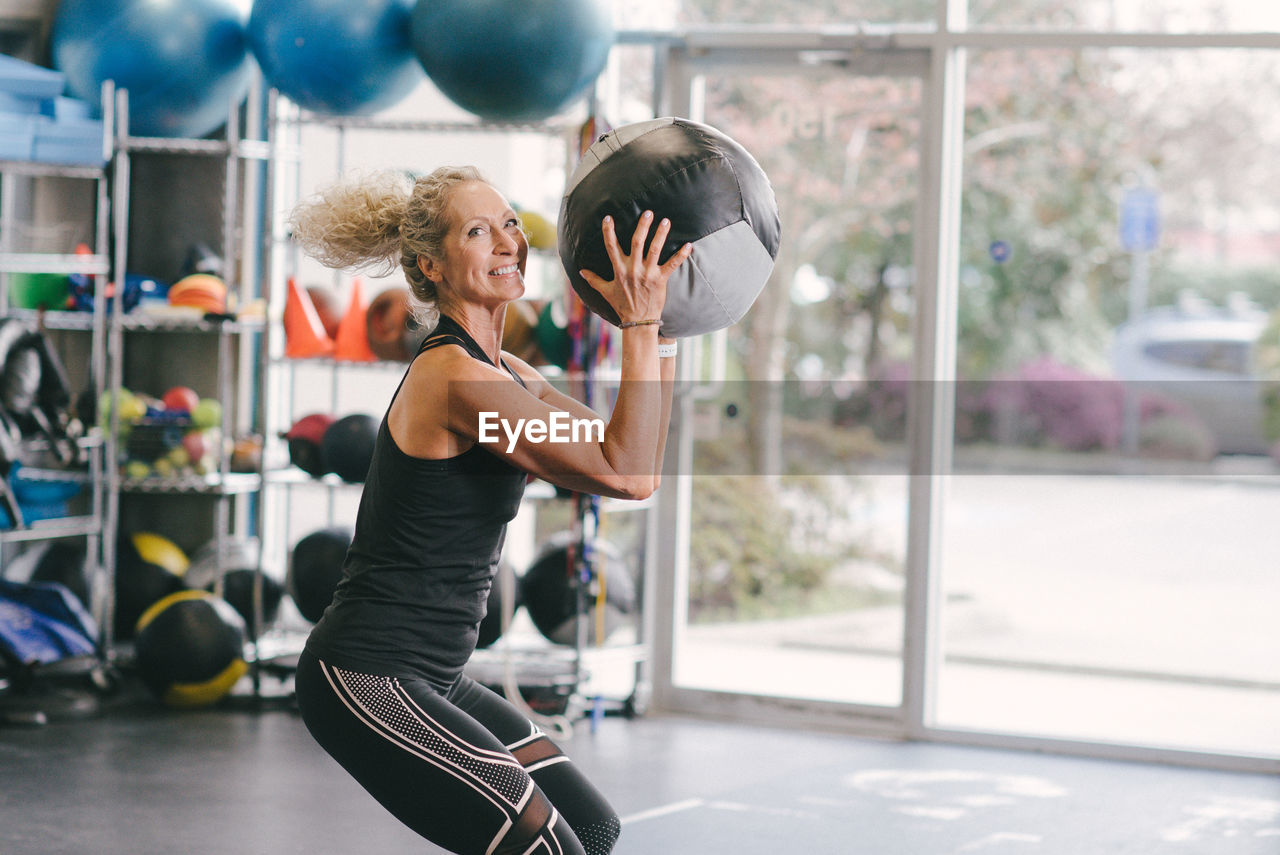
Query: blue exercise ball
x=339, y=57
x=184, y=62
x=508, y=61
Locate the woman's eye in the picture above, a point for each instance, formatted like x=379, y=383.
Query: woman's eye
x=513, y=223
x=475, y=231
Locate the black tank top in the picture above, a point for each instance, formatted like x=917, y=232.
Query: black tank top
x=428, y=537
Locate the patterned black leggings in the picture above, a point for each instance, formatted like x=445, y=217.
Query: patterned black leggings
x=465, y=770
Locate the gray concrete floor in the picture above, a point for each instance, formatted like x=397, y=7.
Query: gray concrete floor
x=138, y=780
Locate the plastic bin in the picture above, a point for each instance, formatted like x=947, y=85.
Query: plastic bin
x=17, y=136
x=62, y=109
x=33, y=81
x=20, y=105
x=76, y=141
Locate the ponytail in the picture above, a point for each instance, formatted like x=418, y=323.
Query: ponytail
x=355, y=223
x=378, y=221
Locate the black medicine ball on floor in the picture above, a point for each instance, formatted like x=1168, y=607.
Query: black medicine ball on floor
x=190, y=649
x=139, y=584
x=238, y=589
x=550, y=594
x=717, y=198
x=315, y=569
x=347, y=447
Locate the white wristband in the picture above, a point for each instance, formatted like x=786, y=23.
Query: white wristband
x=666, y=350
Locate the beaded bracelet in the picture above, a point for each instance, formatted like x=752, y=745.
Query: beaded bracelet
x=628, y=324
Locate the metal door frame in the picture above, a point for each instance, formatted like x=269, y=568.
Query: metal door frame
x=680, y=64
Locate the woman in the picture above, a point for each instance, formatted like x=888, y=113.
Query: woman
x=380, y=685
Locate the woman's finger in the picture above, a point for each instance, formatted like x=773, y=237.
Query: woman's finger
x=593, y=280
x=611, y=247
x=641, y=232
x=659, y=238
x=676, y=260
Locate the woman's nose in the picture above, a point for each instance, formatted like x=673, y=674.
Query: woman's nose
x=507, y=242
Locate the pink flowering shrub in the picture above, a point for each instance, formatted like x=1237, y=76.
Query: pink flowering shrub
x=1044, y=403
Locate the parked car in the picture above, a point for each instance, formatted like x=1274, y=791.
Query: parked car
x=1203, y=356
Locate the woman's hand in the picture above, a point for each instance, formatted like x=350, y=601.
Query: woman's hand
x=638, y=290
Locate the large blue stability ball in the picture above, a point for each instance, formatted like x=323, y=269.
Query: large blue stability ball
x=509, y=61
x=338, y=57
x=184, y=62
x=717, y=198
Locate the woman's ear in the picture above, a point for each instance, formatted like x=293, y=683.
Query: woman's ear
x=430, y=268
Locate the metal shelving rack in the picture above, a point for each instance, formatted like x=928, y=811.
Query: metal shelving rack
x=90, y=525
x=222, y=485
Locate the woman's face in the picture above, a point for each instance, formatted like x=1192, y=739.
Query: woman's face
x=484, y=251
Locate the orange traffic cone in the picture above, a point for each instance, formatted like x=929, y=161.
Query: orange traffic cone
x=304, y=334
x=352, y=340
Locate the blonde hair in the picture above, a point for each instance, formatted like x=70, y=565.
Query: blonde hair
x=376, y=221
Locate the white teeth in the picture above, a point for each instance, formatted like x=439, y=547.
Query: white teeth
x=503, y=271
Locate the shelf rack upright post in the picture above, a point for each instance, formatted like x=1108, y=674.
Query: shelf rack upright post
x=96, y=262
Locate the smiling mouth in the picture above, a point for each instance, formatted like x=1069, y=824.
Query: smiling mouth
x=505, y=271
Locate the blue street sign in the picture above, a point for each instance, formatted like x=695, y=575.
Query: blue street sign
x=1140, y=219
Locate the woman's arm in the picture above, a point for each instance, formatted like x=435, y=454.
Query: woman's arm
x=667, y=371
x=570, y=446
x=543, y=389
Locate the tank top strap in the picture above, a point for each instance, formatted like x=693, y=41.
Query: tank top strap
x=449, y=331
x=438, y=339
x=513, y=374
x=443, y=334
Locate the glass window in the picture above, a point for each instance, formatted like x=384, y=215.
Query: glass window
x=804, y=13
x=1108, y=568
x=1161, y=16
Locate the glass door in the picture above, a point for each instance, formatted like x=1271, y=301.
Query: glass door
x=793, y=524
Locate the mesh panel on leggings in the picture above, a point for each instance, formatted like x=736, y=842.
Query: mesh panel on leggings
x=599, y=837
x=382, y=699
